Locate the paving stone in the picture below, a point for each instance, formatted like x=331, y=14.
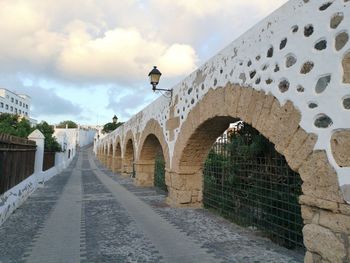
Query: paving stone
x=106, y=231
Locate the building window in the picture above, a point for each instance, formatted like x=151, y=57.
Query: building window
x=7, y=106
x=12, y=99
x=16, y=110
x=26, y=106
x=20, y=112
x=16, y=101
x=20, y=103
x=11, y=108
x=2, y=105
x=26, y=113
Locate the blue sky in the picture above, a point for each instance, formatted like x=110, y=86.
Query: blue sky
x=86, y=60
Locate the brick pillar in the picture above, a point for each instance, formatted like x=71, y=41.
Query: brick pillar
x=144, y=173
x=185, y=188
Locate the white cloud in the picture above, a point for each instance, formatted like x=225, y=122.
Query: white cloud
x=89, y=41
x=178, y=60
x=121, y=53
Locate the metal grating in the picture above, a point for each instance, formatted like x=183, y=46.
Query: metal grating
x=248, y=182
x=159, y=173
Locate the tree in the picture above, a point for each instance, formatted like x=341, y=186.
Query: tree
x=111, y=126
x=14, y=125
x=71, y=124
x=51, y=145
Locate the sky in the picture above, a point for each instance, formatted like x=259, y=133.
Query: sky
x=88, y=60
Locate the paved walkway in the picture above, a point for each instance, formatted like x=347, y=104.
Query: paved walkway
x=89, y=214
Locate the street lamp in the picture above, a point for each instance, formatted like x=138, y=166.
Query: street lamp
x=115, y=119
x=154, y=77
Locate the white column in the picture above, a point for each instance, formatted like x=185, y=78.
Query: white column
x=39, y=139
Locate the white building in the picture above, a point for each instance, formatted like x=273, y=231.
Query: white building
x=71, y=138
x=13, y=103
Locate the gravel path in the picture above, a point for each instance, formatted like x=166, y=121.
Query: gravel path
x=89, y=214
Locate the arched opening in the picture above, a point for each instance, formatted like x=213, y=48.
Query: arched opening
x=151, y=164
x=128, y=160
x=247, y=181
x=117, y=159
x=280, y=125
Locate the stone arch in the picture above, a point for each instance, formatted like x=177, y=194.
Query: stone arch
x=152, y=142
x=322, y=204
x=278, y=123
x=117, y=160
x=128, y=154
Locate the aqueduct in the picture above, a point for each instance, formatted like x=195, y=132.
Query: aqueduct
x=289, y=78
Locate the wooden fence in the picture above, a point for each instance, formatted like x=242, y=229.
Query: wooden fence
x=17, y=160
x=49, y=160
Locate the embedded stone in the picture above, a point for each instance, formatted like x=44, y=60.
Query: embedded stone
x=346, y=103
x=270, y=52
x=323, y=121
x=308, y=30
x=346, y=68
x=295, y=29
x=325, y=6
x=283, y=85
x=322, y=84
x=320, y=45
x=290, y=61
x=300, y=89
x=307, y=67
x=340, y=144
x=336, y=20
x=341, y=40
x=313, y=105
x=283, y=43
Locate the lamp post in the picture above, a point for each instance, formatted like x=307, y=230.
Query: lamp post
x=115, y=119
x=154, y=77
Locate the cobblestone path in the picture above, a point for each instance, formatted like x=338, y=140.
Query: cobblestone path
x=89, y=214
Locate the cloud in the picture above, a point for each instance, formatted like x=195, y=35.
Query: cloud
x=44, y=102
x=121, y=54
x=128, y=102
x=85, y=41
x=83, y=48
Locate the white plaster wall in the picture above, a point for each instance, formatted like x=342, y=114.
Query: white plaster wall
x=14, y=198
x=248, y=53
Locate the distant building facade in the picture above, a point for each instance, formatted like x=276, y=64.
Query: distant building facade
x=72, y=138
x=13, y=103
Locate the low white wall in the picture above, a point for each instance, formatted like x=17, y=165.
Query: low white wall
x=14, y=198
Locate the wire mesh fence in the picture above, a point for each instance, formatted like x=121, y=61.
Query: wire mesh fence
x=159, y=173
x=247, y=181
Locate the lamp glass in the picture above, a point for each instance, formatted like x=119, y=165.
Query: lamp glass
x=154, y=78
